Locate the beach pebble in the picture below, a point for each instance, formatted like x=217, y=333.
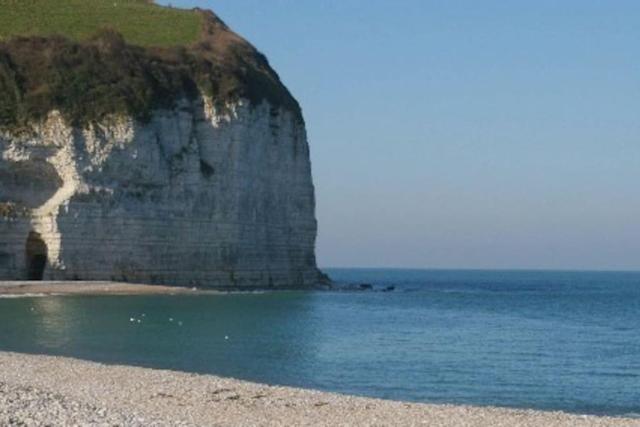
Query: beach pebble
x=56, y=391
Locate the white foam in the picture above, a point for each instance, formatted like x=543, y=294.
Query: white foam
x=8, y=296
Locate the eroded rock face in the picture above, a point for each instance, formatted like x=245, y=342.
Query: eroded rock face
x=196, y=196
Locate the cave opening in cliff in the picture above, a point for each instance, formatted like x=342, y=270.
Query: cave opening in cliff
x=36, y=256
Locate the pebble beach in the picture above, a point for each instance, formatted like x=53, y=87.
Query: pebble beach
x=47, y=390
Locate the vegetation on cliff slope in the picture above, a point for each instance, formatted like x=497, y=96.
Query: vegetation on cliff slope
x=87, y=60
x=139, y=21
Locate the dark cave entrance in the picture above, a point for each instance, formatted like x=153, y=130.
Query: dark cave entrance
x=36, y=256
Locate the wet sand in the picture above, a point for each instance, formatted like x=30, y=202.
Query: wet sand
x=91, y=288
x=44, y=390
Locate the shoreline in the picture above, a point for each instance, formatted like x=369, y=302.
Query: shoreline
x=98, y=287
x=37, y=390
x=50, y=288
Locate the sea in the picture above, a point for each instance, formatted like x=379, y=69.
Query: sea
x=548, y=340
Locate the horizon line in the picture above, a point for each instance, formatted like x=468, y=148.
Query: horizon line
x=487, y=269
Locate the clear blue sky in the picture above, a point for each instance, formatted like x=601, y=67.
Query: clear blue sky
x=477, y=134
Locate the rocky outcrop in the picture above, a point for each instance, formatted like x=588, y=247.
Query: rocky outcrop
x=173, y=164
x=199, y=195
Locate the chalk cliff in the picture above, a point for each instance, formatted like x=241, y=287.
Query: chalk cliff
x=205, y=190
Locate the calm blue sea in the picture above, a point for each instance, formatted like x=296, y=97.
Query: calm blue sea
x=548, y=340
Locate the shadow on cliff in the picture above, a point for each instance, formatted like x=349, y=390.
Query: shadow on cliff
x=189, y=201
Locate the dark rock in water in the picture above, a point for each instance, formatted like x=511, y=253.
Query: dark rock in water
x=389, y=289
x=366, y=287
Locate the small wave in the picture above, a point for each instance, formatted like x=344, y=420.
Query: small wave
x=635, y=415
x=616, y=374
x=13, y=296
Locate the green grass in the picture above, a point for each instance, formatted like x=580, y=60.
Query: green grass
x=140, y=22
x=90, y=59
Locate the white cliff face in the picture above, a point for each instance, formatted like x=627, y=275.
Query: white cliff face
x=196, y=196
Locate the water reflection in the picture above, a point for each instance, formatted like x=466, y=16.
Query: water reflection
x=52, y=323
x=267, y=337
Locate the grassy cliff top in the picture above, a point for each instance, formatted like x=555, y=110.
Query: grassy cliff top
x=92, y=58
x=140, y=22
